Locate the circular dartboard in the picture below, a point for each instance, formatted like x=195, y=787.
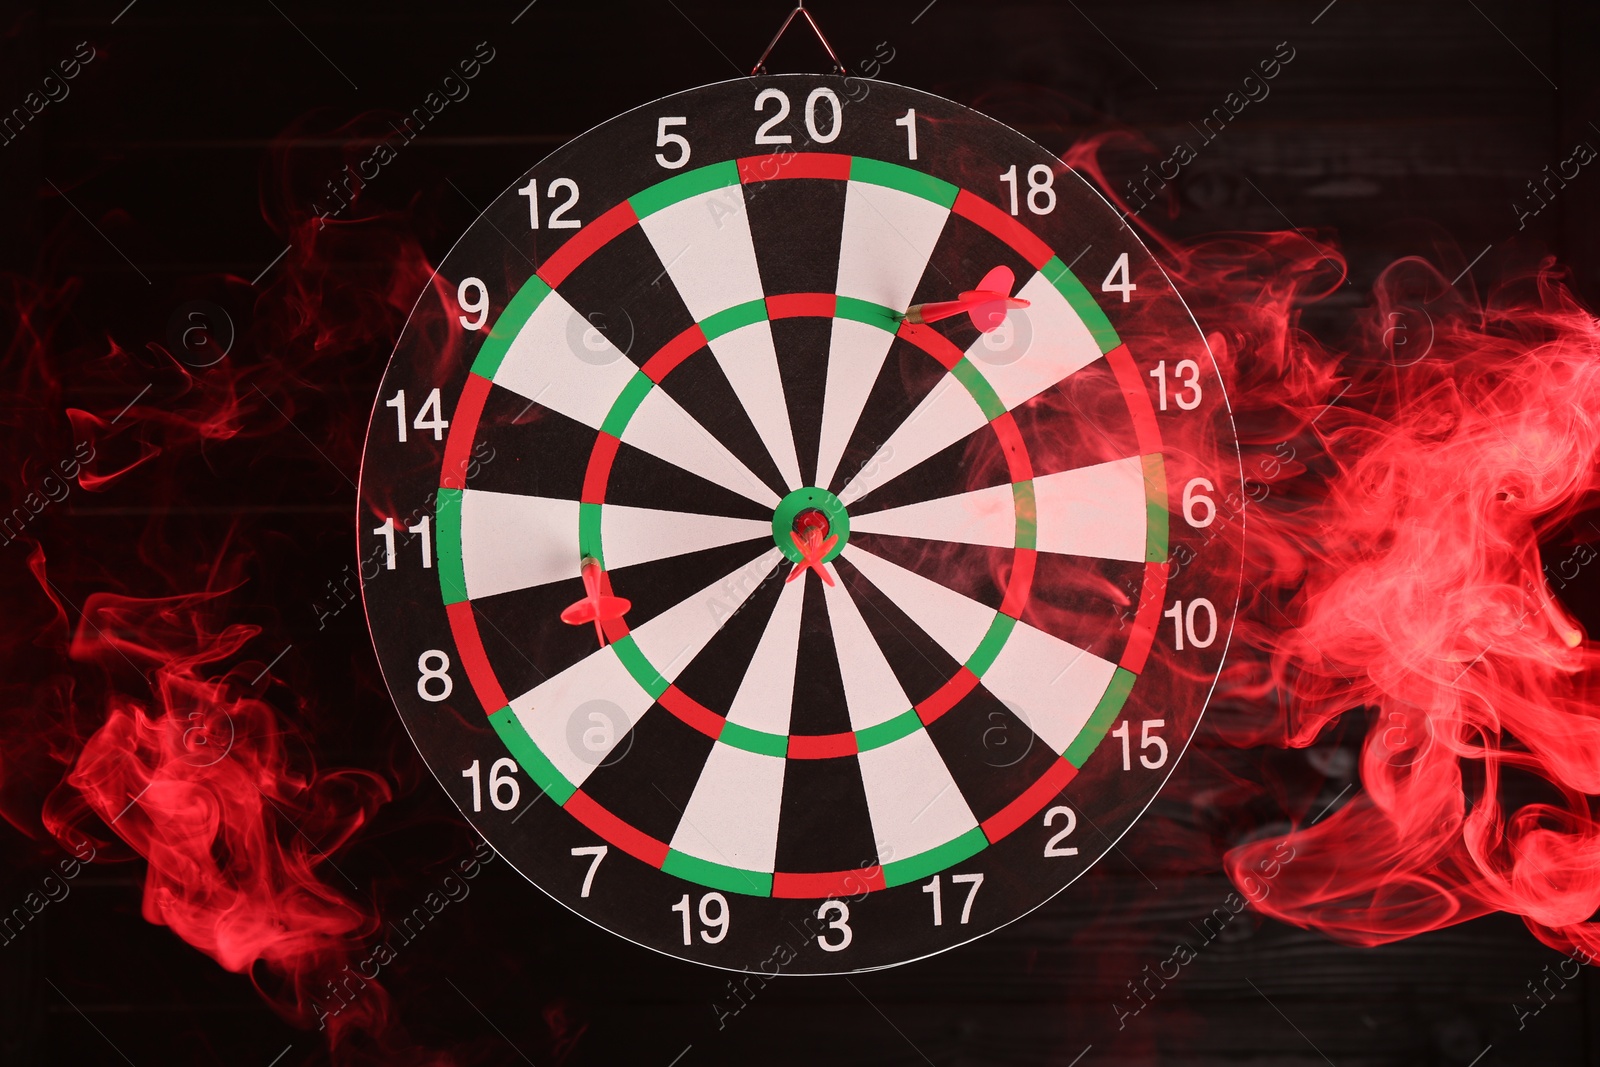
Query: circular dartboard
x=800, y=525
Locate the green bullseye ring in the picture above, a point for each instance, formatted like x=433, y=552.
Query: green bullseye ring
x=801, y=500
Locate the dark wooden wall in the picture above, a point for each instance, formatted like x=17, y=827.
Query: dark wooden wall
x=1406, y=128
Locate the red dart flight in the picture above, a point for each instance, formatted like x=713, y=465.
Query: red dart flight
x=598, y=605
x=986, y=305
x=813, y=548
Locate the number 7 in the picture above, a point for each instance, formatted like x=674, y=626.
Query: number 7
x=599, y=853
x=972, y=894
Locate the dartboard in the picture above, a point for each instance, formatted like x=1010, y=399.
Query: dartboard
x=800, y=525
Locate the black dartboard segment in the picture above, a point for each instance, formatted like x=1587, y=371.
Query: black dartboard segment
x=671, y=353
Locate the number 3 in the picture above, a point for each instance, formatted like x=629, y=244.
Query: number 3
x=841, y=923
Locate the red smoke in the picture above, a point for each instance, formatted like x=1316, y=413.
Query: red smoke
x=1402, y=486
x=142, y=710
x=1400, y=492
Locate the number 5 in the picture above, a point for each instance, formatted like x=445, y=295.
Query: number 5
x=663, y=139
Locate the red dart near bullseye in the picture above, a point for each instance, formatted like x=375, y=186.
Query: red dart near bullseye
x=598, y=605
x=808, y=537
x=986, y=305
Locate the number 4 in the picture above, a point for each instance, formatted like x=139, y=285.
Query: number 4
x=1117, y=280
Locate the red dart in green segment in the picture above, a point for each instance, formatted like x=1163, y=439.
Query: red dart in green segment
x=986, y=305
x=598, y=605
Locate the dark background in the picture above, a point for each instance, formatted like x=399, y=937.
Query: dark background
x=1403, y=128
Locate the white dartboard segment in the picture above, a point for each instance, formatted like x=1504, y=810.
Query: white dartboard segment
x=1053, y=340
x=542, y=364
x=704, y=242
x=872, y=693
x=766, y=694
x=981, y=517
x=512, y=542
x=856, y=351
x=553, y=713
x=955, y=621
x=1100, y=510
x=914, y=803
x=732, y=816
x=888, y=238
x=673, y=638
x=641, y=535
x=946, y=415
x=1052, y=685
x=663, y=429
x=749, y=361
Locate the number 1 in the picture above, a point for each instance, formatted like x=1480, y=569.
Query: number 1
x=909, y=121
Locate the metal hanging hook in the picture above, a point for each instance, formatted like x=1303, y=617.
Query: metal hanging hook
x=799, y=9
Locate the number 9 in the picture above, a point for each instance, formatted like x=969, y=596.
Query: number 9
x=478, y=307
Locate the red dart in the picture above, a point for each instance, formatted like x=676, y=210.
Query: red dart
x=809, y=540
x=598, y=605
x=986, y=305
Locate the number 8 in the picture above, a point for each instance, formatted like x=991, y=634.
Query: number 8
x=428, y=674
x=1041, y=179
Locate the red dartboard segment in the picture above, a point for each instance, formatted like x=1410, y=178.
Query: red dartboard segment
x=932, y=342
x=635, y=843
x=582, y=244
x=1147, y=619
x=463, y=430
x=598, y=471
x=822, y=746
x=802, y=305
x=990, y=217
x=1029, y=801
x=827, y=883
x=692, y=712
x=755, y=169
x=469, y=645
x=674, y=352
x=1136, y=394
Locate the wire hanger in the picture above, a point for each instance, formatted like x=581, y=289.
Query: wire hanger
x=799, y=9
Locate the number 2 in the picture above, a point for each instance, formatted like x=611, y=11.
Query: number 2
x=1054, y=847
